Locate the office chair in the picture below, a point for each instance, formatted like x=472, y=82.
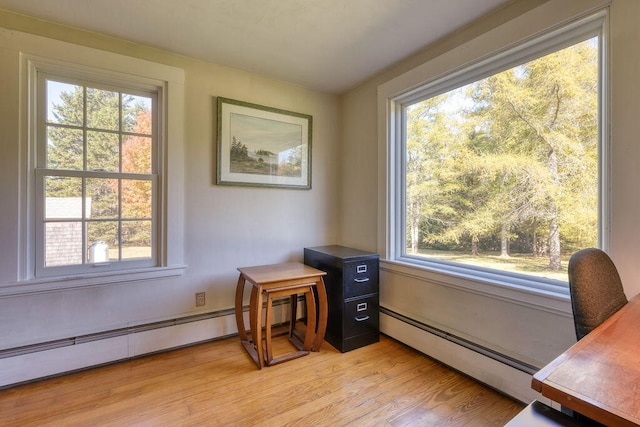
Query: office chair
x=595, y=288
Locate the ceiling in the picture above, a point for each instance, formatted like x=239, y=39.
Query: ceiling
x=327, y=45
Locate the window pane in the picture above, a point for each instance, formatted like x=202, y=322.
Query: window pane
x=136, y=114
x=136, y=154
x=94, y=139
x=136, y=239
x=64, y=148
x=63, y=243
x=103, y=109
x=102, y=197
x=103, y=236
x=65, y=103
x=103, y=151
x=136, y=199
x=503, y=172
x=63, y=198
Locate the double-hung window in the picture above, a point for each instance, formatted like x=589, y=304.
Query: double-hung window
x=496, y=169
x=101, y=181
x=96, y=176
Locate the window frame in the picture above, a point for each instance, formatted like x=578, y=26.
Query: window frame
x=57, y=57
x=436, y=77
x=40, y=117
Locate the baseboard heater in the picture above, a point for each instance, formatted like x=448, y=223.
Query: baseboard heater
x=487, y=352
x=49, y=345
x=81, y=339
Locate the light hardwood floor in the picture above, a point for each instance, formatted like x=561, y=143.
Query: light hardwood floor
x=217, y=384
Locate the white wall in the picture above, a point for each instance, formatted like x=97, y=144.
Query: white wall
x=224, y=227
x=522, y=331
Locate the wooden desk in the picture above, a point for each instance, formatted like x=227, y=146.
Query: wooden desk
x=280, y=280
x=599, y=376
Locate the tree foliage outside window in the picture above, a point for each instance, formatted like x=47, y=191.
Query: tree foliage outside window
x=96, y=166
x=503, y=172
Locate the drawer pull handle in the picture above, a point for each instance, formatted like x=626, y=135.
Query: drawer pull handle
x=361, y=280
x=361, y=318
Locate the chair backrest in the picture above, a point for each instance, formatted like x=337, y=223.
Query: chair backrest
x=595, y=287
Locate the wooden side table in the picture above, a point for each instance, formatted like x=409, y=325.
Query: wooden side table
x=274, y=281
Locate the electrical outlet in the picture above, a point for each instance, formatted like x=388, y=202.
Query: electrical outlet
x=200, y=301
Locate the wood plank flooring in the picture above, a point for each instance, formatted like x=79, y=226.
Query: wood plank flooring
x=217, y=384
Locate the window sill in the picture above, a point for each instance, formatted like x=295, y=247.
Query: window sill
x=547, y=295
x=83, y=281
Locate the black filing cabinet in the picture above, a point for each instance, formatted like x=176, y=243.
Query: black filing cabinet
x=352, y=292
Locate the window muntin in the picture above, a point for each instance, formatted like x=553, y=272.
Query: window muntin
x=432, y=99
x=96, y=176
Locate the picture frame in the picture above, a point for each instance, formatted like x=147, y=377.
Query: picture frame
x=263, y=146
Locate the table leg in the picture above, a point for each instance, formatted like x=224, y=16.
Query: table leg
x=323, y=315
x=267, y=329
x=311, y=319
x=256, y=331
x=242, y=332
x=293, y=305
x=254, y=344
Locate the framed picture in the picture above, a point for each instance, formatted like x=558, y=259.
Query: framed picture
x=262, y=146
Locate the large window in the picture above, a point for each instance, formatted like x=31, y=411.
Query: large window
x=498, y=166
x=96, y=176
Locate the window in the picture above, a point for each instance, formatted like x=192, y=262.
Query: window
x=122, y=121
x=96, y=176
x=496, y=169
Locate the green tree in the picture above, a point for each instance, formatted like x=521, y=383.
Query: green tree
x=83, y=134
x=546, y=111
x=512, y=154
x=430, y=143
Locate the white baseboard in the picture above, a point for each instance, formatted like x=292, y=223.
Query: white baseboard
x=497, y=375
x=41, y=364
x=30, y=366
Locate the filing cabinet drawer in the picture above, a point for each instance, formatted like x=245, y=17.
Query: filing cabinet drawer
x=361, y=316
x=360, y=278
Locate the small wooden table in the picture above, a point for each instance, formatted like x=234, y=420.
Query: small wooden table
x=274, y=281
x=599, y=376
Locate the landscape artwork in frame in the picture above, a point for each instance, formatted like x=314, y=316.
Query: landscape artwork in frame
x=263, y=146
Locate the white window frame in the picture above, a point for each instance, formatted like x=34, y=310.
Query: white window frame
x=105, y=83
x=55, y=57
x=446, y=73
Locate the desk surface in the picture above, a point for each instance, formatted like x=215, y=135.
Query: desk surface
x=599, y=376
